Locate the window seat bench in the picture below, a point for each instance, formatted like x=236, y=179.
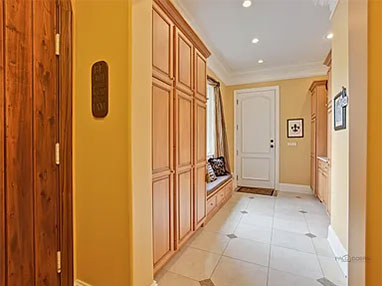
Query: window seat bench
x=218, y=193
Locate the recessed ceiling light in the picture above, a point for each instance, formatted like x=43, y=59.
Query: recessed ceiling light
x=247, y=3
x=255, y=40
x=329, y=36
x=260, y=61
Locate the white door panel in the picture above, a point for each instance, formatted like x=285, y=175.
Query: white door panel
x=256, y=144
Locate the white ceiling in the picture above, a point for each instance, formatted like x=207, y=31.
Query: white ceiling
x=291, y=33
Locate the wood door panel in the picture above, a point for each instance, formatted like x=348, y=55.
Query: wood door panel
x=45, y=131
x=200, y=201
x=183, y=62
x=162, y=218
x=162, y=45
x=200, y=132
x=184, y=129
x=162, y=127
x=19, y=138
x=200, y=76
x=184, y=205
x=2, y=159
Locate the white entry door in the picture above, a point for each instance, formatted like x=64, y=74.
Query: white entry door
x=256, y=137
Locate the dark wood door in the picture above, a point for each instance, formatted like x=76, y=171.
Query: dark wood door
x=31, y=202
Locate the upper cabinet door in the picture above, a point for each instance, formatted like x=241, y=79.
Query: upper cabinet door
x=184, y=52
x=162, y=46
x=200, y=76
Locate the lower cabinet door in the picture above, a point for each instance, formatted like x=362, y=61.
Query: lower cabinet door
x=200, y=196
x=163, y=224
x=184, y=207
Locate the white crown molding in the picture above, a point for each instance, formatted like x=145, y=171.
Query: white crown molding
x=270, y=74
x=78, y=282
x=228, y=76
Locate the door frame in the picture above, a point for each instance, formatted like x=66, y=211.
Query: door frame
x=241, y=92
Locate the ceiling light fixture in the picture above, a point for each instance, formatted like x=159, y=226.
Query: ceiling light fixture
x=247, y=3
x=255, y=40
x=329, y=36
x=260, y=61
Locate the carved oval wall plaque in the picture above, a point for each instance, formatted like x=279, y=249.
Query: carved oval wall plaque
x=100, y=89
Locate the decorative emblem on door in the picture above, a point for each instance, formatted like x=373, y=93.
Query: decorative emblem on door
x=100, y=89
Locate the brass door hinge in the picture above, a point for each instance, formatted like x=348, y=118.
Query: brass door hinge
x=58, y=261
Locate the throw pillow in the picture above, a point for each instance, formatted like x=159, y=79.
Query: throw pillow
x=218, y=165
x=210, y=174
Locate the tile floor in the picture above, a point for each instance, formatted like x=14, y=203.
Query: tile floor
x=259, y=241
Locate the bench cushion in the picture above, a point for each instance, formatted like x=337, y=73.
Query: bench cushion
x=216, y=184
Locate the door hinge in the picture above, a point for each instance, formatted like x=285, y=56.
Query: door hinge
x=57, y=154
x=237, y=101
x=57, y=44
x=237, y=177
x=237, y=152
x=58, y=261
x=237, y=127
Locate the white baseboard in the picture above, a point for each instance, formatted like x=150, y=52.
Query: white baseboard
x=78, y=282
x=338, y=249
x=303, y=189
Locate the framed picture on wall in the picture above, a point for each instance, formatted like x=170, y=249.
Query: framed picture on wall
x=295, y=128
x=340, y=103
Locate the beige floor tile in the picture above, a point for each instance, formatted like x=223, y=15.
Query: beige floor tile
x=195, y=264
x=253, y=232
x=232, y=272
x=280, y=278
x=210, y=241
x=295, y=262
x=332, y=270
x=291, y=226
x=322, y=247
x=221, y=225
x=292, y=240
x=173, y=279
x=259, y=220
x=247, y=250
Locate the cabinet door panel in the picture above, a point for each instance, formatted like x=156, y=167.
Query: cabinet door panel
x=200, y=76
x=162, y=131
x=184, y=211
x=183, y=63
x=200, y=132
x=162, y=218
x=162, y=45
x=184, y=129
x=200, y=195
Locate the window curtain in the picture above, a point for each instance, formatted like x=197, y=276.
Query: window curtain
x=221, y=132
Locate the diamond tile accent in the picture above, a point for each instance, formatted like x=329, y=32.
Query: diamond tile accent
x=244, y=212
x=251, y=198
x=231, y=236
x=303, y=212
x=207, y=282
x=326, y=282
x=298, y=197
x=311, y=235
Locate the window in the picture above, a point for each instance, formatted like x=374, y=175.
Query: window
x=211, y=126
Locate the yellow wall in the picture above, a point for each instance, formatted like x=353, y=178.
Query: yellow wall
x=340, y=139
x=102, y=192
x=294, y=103
x=374, y=167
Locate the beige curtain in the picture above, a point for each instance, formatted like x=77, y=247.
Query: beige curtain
x=221, y=133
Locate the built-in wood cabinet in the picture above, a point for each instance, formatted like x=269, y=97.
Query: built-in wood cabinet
x=178, y=131
x=319, y=142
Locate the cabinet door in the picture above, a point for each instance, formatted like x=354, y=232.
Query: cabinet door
x=200, y=76
x=162, y=45
x=162, y=169
x=200, y=192
x=184, y=67
x=313, y=166
x=184, y=167
x=314, y=103
x=163, y=233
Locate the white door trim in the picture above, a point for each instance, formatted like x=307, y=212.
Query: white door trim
x=242, y=92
